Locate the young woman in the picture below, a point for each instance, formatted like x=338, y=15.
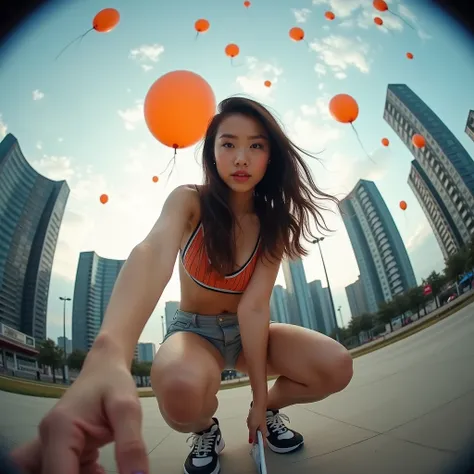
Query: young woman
x=231, y=233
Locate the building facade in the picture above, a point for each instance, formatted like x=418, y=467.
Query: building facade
x=384, y=266
x=31, y=212
x=146, y=351
x=278, y=305
x=170, y=310
x=95, y=280
x=470, y=125
x=299, y=303
x=322, y=307
x=442, y=173
x=357, y=299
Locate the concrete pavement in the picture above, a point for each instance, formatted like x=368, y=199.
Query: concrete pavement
x=408, y=409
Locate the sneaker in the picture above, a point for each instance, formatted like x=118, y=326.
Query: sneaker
x=281, y=439
x=206, y=447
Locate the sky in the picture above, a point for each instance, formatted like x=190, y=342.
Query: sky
x=80, y=117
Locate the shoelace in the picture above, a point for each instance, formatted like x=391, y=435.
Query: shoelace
x=277, y=424
x=202, y=444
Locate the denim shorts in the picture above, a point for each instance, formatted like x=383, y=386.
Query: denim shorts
x=221, y=330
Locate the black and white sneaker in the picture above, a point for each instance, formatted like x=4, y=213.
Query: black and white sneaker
x=206, y=447
x=281, y=439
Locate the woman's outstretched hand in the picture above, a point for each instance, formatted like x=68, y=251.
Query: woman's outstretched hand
x=102, y=406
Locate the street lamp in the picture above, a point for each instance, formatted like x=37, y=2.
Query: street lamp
x=64, y=299
x=340, y=315
x=318, y=241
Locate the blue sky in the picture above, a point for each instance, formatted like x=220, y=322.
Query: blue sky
x=80, y=117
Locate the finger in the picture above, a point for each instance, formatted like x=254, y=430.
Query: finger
x=62, y=443
x=125, y=417
x=28, y=456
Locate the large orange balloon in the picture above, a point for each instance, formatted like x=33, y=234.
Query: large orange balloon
x=178, y=108
x=232, y=50
x=403, y=205
x=106, y=20
x=344, y=108
x=380, y=5
x=201, y=25
x=418, y=140
x=296, y=33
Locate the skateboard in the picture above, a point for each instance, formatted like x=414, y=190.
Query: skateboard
x=258, y=454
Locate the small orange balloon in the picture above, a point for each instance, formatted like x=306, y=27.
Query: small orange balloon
x=267, y=84
x=296, y=33
x=155, y=179
x=201, y=25
x=403, y=205
x=380, y=5
x=344, y=108
x=330, y=15
x=178, y=108
x=104, y=199
x=418, y=140
x=385, y=142
x=410, y=55
x=246, y=4
x=232, y=50
x=378, y=21
x=106, y=20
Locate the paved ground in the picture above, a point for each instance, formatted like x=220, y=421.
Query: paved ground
x=408, y=409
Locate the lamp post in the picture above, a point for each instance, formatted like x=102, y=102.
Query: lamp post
x=340, y=316
x=318, y=241
x=64, y=300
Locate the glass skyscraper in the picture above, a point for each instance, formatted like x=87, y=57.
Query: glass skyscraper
x=384, y=266
x=322, y=307
x=442, y=173
x=31, y=211
x=95, y=280
x=278, y=305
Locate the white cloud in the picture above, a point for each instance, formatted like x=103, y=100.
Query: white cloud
x=390, y=22
x=60, y=139
x=339, y=53
x=301, y=15
x=3, y=128
x=259, y=72
x=421, y=232
x=343, y=8
x=147, y=53
x=132, y=115
x=37, y=94
x=39, y=145
x=320, y=69
x=54, y=167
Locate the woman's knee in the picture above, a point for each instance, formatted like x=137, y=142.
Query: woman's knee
x=340, y=370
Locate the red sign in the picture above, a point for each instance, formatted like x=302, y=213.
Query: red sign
x=427, y=290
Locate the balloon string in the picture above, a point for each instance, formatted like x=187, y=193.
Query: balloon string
x=73, y=41
x=360, y=142
x=401, y=18
x=173, y=160
x=197, y=35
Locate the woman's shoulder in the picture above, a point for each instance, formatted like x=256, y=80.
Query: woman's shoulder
x=187, y=195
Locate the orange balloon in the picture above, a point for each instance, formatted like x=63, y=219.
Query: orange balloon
x=201, y=25
x=330, y=15
x=155, y=179
x=246, y=4
x=178, y=108
x=380, y=5
x=232, y=50
x=385, y=142
x=344, y=108
x=410, y=55
x=378, y=21
x=104, y=199
x=403, y=205
x=296, y=33
x=267, y=84
x=418, y=140
x=106, y=20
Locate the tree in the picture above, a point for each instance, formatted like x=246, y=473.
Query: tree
x=436, y=281
x=141, y=369
x=366, y=322
x=416, y=299
x=456, y=264
x=50, y=355
x=76, y=359
x=386, y=312
x=354, y=326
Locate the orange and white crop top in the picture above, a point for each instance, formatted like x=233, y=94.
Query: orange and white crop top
x=196, y=264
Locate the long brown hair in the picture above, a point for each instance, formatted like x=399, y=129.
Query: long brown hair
x=284, y=199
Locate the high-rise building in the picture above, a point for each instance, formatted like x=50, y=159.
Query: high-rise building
x=442, y=173
x=170, y=310
x=470, y=125
x=146, y=351
x=68, y=344
x=278, y=305
x=31, y=212
x=357, y=300
x=322, y=307
x=299, y=304
x=384, y=266
x=95, y=280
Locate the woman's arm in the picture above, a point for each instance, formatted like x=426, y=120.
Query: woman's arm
x=144, y=276
x=254, y=320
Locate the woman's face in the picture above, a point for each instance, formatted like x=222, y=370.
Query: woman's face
x=242, y=152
